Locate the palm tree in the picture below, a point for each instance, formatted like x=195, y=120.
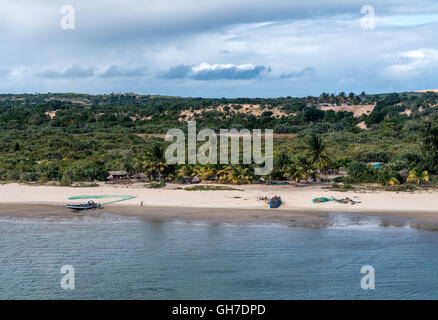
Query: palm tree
x=208, y=172
x=282, y=160
x=308, y=168
x=152, y=163
x=417, y=175
x=430, y=146
x=295, y=173
x=149, y=168
x=342, y=96
x=222, y=174
x=186, y=171
x=235, y=174
x=157, y=153
x=239, y=175
x=318, y=153
x=312, y=174
x=393, y=182
x=332, y=98
x=324, y=97
x=160, y=167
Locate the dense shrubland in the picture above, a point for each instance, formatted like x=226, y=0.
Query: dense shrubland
x=73, y=137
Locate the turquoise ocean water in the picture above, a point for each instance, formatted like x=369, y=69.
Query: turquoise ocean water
x=129, y=258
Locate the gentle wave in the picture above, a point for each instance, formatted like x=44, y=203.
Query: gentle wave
x=351, y=221
x=89, y=218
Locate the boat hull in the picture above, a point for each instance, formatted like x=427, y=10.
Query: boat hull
x=273, y=204
x=81, y=206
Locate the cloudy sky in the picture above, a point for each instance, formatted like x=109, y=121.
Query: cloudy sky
x=218, y=48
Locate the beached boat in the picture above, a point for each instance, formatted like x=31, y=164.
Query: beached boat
x=275, y=202
x=92, y=205
x=85, y=206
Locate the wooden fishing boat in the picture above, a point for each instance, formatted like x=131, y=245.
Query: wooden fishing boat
x=275, y=202
x=85, y=206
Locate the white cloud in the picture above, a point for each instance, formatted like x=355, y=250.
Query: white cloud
x=213, y=67
x=407, y=20
x=205, y=71
x=123, y=46
x=412, y=63
x=16, y=74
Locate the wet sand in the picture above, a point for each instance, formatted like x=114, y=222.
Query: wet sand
x=237, y=205
x=315, y=219
x=161, y=214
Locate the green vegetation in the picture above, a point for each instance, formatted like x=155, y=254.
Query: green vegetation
x=319, y=157
x=210, y=188
x=70, y=138
x=344, y=187
x=157, y=185
x=86, y=185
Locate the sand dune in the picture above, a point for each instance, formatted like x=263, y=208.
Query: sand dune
x=430, y=90
x=357, y=110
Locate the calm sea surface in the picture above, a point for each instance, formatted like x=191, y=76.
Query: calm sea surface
x=128, y=258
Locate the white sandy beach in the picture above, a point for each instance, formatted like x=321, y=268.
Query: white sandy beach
x=419, y=205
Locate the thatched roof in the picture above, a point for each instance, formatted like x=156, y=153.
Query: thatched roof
x=118, y=173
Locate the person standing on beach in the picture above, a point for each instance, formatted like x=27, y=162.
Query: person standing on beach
x=141, y=204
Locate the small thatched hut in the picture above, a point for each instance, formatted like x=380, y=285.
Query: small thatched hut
x=117, y=175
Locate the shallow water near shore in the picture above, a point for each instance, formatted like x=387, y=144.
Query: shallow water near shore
x=118, y=257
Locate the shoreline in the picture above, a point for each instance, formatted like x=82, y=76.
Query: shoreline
x=305, y=219
x=419, y=209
